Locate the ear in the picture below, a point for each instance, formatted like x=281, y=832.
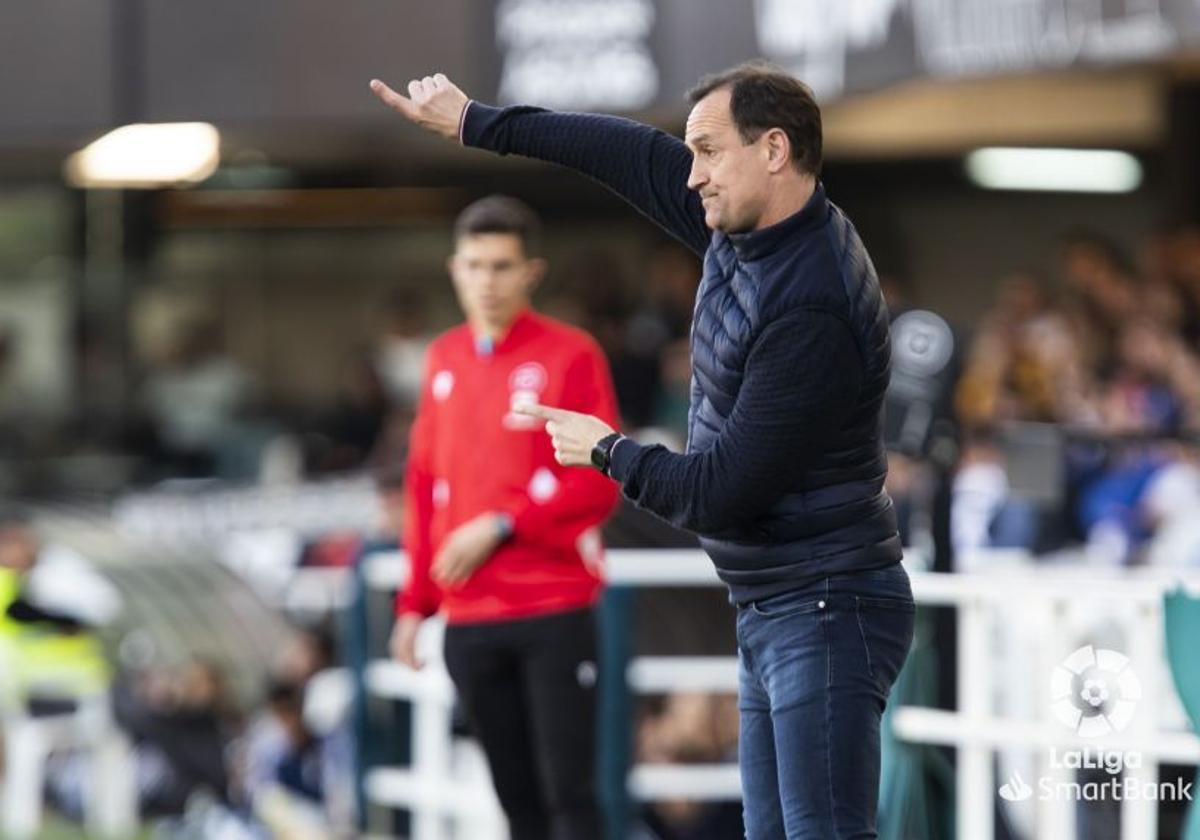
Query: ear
x=779, y=150
x=450, y=260
x=537, y=270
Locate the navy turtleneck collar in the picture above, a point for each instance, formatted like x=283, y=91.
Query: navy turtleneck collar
x=759, y=243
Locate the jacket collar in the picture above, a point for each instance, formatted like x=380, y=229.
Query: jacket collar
x=485, y=346
x=758, y=243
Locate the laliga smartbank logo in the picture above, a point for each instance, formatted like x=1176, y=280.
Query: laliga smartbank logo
x=1095, y=692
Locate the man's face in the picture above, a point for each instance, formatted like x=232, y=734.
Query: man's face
x=730, y=176
x=493, y=278
x=18, y=548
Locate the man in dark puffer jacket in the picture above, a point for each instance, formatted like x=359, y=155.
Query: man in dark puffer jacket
x=784, y=470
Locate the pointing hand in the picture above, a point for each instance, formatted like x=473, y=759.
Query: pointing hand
x=434, y=103
x=574, y=435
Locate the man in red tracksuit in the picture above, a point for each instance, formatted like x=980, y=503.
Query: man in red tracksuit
x=501, y=538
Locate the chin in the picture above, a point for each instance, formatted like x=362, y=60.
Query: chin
x=725, y=225
x=720, y=223
x=730, y=229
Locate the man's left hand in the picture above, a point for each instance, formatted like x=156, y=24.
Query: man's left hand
x=574, y=435
x=465, y=549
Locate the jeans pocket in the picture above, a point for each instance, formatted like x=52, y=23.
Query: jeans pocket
x=875, y=603
x=886, y=628
x=787, y=603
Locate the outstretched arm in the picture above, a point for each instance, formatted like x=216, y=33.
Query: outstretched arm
x=801, y=383
x=647, y=167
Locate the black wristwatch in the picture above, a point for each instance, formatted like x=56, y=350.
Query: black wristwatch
x=602, y=451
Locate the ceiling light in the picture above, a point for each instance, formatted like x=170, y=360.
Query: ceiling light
x=146, y=156
x=1055, y=170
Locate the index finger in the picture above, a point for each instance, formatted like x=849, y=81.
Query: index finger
x=393, y=100
x=545, y=412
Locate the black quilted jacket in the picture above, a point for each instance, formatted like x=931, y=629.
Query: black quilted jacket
x=784, y=470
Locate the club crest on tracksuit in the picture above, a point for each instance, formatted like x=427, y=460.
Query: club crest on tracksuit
x=525, y=385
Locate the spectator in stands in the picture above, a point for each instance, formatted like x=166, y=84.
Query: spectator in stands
x=689, y=729
x=501, y=538
x=1098, y=278
x=19, y=548
x=349, y=434
x=653, y=337
x=48, y=656
x=293, y=765
x=596, y=279
x=196, y=397
x=1141, y=397
x=181, y=722
x=400, y=357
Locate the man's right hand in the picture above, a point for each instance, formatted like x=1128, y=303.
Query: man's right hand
x=433, y=102
x=403, y=644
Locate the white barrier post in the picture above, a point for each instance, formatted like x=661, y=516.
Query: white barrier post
x=431, y=741
x=1056, y=815
x=25, y=756
x=976, y=781
x=1139, y=817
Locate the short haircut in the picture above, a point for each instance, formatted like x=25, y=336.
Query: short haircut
x=762, y=97
x=500, y=214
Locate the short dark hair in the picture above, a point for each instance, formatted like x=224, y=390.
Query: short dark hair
x=762, y=97
x=500, y=214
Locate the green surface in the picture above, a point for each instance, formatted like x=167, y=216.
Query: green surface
x=56, y=828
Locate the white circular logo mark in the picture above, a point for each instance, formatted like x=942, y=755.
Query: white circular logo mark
x=528, y=377
x=543, y=486
x=443, y=384
x=1094, y=691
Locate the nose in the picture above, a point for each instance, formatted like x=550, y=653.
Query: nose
x=697, y=177
x=489, y=276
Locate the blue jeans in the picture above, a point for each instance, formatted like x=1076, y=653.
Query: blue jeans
x=815, y=666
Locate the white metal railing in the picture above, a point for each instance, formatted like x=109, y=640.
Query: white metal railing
x=110, y=803
x=1046, y=602
x=1051, y=604
x=448, y=780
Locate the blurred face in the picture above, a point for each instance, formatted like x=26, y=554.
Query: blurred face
x=201, y=686
x=1144, y=349
x=1021, y=297
x=18, y=548
x=493, y=278
x=732, y=178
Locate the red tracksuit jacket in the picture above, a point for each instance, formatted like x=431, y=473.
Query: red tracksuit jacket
x=469, y=454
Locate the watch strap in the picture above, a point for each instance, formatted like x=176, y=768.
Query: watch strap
x=602, y=451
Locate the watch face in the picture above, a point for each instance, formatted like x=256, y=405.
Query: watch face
x=602, y=451
x=600, y=456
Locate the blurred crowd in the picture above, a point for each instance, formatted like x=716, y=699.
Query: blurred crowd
x=1101, y=346
x=1068, y=417
x=276, y=761
x=1107, y=349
